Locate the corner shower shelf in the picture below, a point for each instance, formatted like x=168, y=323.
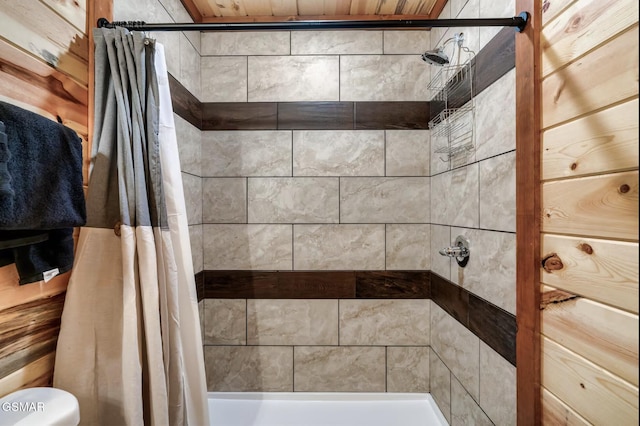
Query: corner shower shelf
x=452, y=129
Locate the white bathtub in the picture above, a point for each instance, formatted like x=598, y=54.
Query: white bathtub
x=323, y=409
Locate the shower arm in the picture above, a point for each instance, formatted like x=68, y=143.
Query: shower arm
x=519, y=22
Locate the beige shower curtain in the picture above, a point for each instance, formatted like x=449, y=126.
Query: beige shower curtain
x=130, y=347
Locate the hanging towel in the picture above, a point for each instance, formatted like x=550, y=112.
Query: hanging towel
x=41, y=194
x=6, y=191
x=45, y=168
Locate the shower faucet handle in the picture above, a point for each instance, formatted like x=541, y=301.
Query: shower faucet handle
x=460, y=251
x=457, y=251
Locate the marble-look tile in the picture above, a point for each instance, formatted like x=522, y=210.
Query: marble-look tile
x=225, y=322
x=224, y=79
x=194, y=39
x=250, y=247
x=384, y=200
x=189, y=146
x=189, y=67
x=224, y=200
x=336, y=42
x=384, y=322
x=468, y=9
x=243, y=43
x=293, y=78
x=440, y=384
x=438, y=160
x=292, y=322
x=497, y=387
x=246, y=153
x=464, y=409
x=383, y=78
x=452, y=138
x=457, y=6
x=338, y=247
x=438, y=34
x=338, y=153
x=406, y=42
x=407, y=152
x=293, y=200
x=195, y=240
x=496, y=118
x=491, y=270
x=152, y=11
x=408, y=369
x=440, y=238
x=408, y=247
x=458, y=348
x=339, y=369
x=454, y=197
x=192, y=187
x=493, y=9
x=498, y=193
x=249, y=368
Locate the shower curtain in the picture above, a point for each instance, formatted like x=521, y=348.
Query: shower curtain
x=130, y=347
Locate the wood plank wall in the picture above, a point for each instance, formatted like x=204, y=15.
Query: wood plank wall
x=43, y=68
x=589, y=217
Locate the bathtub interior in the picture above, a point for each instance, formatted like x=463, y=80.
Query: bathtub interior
x=323, y=409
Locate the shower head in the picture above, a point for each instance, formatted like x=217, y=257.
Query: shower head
x=435, y=57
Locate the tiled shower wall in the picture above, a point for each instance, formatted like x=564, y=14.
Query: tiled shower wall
x=354, y=200
x=316, y=200
x=474, y=196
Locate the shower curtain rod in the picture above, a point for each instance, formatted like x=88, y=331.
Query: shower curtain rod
x=519, y=22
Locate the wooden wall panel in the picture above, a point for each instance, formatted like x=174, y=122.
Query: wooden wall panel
x=552, y=9
x=563, y=40
x=599, y=206
x=604, y=335
x=557, y=413
x=58, y=43
x=44, y=53
x=605, y=76
x=73, y=11
x=602, y=270
x=599, y=396
x=589, y=187
x=37, y=373
x=606, y=141
x=32, y=84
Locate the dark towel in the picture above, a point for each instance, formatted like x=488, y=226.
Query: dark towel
x=45, y=167
x=41, y=195
x=43, y=260
x=6, y=191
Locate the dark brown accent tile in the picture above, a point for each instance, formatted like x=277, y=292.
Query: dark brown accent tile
x=317, y=285
x=239, y=116
x=450, y=297
x=238, y=284
x=391, y=115
x=279, y=284
x=490, y=64
x=494, y=326
x=184, y=103
x=496, y=59
x=199, y=277
x=393, y=285
x=315, y=115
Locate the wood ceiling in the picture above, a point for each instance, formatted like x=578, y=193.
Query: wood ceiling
x=204, y=11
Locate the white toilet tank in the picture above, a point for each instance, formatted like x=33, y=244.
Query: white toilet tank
x=39, y=407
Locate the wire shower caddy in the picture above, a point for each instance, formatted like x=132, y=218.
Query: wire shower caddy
x=452, y=130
